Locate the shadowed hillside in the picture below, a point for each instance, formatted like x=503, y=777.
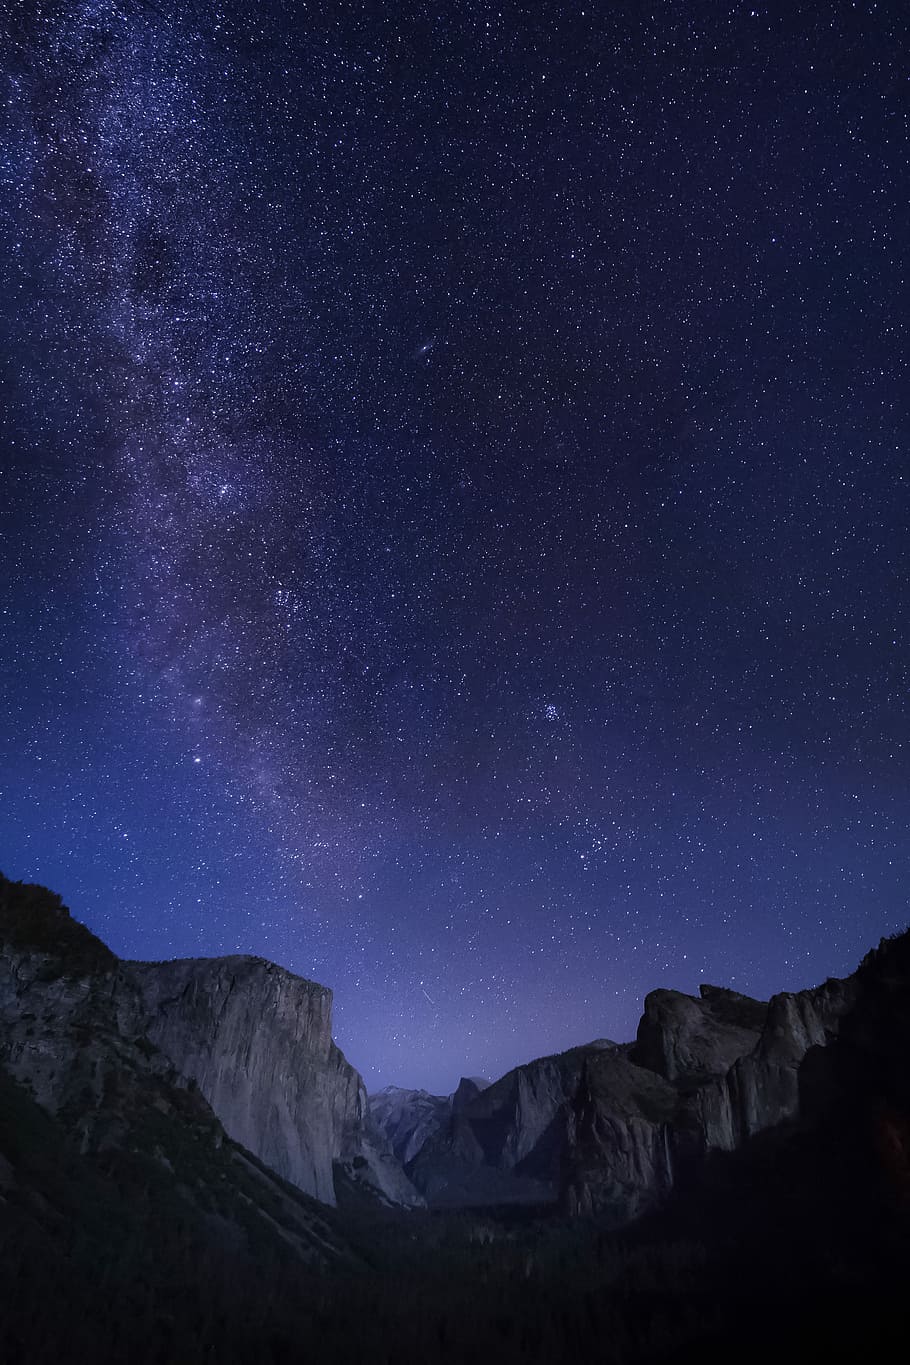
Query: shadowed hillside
x=132, y=1228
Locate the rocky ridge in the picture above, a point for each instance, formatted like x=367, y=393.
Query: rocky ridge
x=409, y=1118
x=606, y=1128
x=72, y=1046
x=612, y=1128
x=254, y=1039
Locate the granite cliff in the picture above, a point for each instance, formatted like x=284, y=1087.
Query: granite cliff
x=774, y=1137
x=257, y=1040
x=409, y=1118
x=607, y=1129
x=611, y=1129
x=114, y=1112
x=254, y=1039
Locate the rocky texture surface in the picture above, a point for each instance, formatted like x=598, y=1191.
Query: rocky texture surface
x=133, y=1228
x=603, y=1128
x=408, y=1118
x=610, y=1128
x=511, y=1142
x=763, y=1086
x=72, y=1037
x=367, y=1170
x=687, y=1040
x=254, y=1038
x=257, y=1040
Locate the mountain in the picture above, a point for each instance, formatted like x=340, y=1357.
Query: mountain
x=257, y=1040
x=468, y=1088
x=408, y=1119
x=254, y=1040
x=605, y=1128
x=610, y=1129
x=760, y=1150
x=117, y=1181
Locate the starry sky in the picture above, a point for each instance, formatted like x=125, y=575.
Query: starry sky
x=453, y=533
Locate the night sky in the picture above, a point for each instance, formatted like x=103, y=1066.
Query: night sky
x=453, y=534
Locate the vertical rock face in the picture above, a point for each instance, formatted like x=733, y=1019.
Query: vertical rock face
x=604, y=1128
x=76, y=1025
x=686, y=1040
x=762, y=1088
x=257, y=1041
x=468, y=1088
x=611, y=1128
x=408, y=1119
x=619, y=1160
x=588, y=1125
x=507, y=1142
x=72, y=1035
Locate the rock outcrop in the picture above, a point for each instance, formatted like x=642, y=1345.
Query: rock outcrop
x=687, y=1039
x=610, y=1129
x=258, y=1043
x=763, y=1086
x=408, y=1118
x=513, y=1142
x=255, y=1039
x=72, y=1045
x=605, y=1128
x=468, y=1088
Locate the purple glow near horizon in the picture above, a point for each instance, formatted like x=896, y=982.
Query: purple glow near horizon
x=454, y=524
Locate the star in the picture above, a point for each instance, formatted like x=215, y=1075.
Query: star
x=464, y=482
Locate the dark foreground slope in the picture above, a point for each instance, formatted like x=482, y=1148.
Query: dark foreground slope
x=132, y=1228
x=165, y=1248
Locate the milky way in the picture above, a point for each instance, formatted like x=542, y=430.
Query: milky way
x=456, y=515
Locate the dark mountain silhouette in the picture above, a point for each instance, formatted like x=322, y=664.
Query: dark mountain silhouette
x=735, y=1180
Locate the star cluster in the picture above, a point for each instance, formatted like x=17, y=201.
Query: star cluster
x=454, y=529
